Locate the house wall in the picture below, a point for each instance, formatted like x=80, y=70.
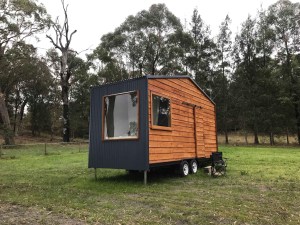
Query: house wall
x=119, y=154
x=180, y=142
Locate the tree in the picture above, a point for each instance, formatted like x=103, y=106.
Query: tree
x=246, y=77
x=33, y=80
x=54, y=97
x=284, y=19
x=221, y=81
x=148, y=43
x=62, y=42
x=80, y=97
x=18, y=21
x=202, y=52
x=270, y=113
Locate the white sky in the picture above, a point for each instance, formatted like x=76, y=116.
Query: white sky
x=93, y=18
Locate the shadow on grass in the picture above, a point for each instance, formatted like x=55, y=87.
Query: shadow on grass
x=163, y=175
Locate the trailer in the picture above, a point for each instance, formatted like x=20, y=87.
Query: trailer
x=151, y=121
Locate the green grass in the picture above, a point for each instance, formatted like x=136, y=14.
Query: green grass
x=262, y=186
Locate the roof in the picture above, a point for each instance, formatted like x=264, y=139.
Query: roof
x=163, y=77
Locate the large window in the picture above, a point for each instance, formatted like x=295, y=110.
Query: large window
x=161, y=112
x=121, y=116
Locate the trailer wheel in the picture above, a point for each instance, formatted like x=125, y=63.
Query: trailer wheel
x=193, y=166
x=184, y=168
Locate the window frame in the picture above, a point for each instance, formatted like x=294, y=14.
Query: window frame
x=138, y=118
x=157, y=127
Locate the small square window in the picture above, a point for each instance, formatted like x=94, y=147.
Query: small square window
x=161, y=112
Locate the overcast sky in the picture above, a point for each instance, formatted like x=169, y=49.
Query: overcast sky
x=93, y=18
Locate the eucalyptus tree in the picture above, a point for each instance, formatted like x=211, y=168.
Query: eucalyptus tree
x=18, y=21
x=284, y=17
x=147, y=43
x=38, y=90
x=34, y=79
x=80, y=96
x=62, y=41
x=54, y=97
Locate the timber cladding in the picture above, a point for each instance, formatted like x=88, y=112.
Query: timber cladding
x=168, y=120
x=193, y=126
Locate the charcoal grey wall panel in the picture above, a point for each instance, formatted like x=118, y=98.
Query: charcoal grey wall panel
x=120, y=154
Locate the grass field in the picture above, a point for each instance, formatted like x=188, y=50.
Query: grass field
x=262, y=186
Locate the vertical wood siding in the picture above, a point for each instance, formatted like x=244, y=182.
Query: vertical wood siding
x=179, y=142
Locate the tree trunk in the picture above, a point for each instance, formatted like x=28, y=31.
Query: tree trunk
x=15, y=115
x=8, y=133
x=246, y=137
x=226, y=137
x=287, y=136
x=66, y=118
x=256, y=142
x=272, y=142
x=65, y=73
x=19, y=125
x=141, y=69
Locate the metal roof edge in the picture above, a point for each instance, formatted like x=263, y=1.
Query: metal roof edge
x=118, y=82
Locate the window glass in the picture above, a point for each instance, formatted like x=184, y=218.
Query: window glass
x=121, y=116
x=161, y=111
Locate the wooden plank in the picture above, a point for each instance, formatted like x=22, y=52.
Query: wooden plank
x=161, y=157
x=171, y=150
x=151, y=161
x=154, y=144
x=208, y=137
x=177, y=127
x=185, y=88
x=187, y=83
x=153, y=151
x=208, y=129
x=171, y=138
x=177, y=133
x=178, y=94
x=177, y=98
x=183, y=155
x=210, y=145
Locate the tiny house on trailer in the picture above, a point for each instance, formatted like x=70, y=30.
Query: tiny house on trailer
x=151, y=121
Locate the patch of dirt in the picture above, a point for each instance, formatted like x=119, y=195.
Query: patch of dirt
x=16, y=214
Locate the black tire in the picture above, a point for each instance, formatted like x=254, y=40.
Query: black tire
x=184, y=168
x=193, y=166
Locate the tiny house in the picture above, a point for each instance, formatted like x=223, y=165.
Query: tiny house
x=151, y=121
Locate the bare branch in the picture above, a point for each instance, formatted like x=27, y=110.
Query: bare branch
x=52, y=41
x=68, y=43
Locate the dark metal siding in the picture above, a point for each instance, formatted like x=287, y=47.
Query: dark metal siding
x=119, y=154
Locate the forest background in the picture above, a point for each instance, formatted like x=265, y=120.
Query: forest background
x=253, y=76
